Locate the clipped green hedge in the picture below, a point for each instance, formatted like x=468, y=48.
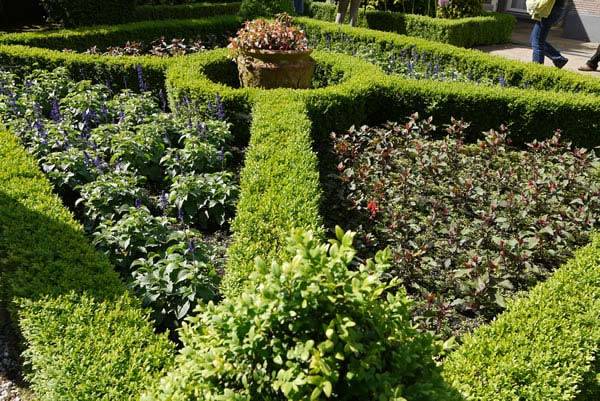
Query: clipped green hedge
x=492, y=28
x=544, y=346
x=385, y=46
x=24, y=51
x=530, y=114
x=185, y=11
x=86, y=338
x=116, y=72
x=280, y=187
x=110, y=35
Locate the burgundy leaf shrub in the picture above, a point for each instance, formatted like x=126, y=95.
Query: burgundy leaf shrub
x=468, y=224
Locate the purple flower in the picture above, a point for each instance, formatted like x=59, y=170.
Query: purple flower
x=219, y=108
x=191, y=246
x=55, y=111
x=138, y=203
x=99, y=164
x=140, y=75
x=502, y=81
x=87, y=160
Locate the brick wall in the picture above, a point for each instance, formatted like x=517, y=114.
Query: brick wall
x=586, y=7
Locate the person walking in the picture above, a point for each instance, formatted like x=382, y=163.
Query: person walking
x=343, y=9
x=299, y=7
x=592, y=64
x=546, y=13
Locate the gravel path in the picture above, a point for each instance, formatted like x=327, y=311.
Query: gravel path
x=9, y=365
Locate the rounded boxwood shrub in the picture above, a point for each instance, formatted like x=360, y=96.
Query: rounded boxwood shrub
x=308, y=329
x=88, y=12
x=251, y=9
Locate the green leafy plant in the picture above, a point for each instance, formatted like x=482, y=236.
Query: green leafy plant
x=105, y=197
x=203, y=198
x=175, y=281
x=133, y=236
x=468, y=225
x=308, y=329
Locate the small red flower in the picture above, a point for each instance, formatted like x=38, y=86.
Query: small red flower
x=373, y=208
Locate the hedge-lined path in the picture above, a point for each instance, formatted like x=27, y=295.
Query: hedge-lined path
x=577, y=52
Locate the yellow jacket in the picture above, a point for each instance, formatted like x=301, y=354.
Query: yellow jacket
x=540, y=8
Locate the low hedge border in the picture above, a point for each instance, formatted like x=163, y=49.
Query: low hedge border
x=280, y=166
x=544, y=346
x=280, y=187
x=184, y=11
x=81, y=39
x=372, y=98
x=118, y=72
x=260, y=225
x=492, y=28
x=390, y=46
x=86, y=338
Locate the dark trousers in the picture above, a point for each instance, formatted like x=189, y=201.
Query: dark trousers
x=299, y=6
x=595, y=60
x=539, y=36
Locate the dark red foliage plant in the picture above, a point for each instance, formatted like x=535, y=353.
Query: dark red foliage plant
x=469, y=225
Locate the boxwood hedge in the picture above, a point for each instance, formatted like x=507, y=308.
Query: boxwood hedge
x=86, y=338
x=491, y=28
x=280, y=189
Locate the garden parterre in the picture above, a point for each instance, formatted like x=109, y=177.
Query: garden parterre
x=304, y=116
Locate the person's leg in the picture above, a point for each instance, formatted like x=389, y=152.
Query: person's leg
x=341, y=13
x=538, y=38
x=354, y=8
x=549, y=50
x=595, y=60
x=299, y=6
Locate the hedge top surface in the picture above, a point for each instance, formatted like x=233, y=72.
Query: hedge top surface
x=148, y=30
x=464, y=60
x=192, y=75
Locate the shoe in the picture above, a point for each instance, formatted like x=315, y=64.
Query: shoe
x=561, y=63
x=588, y=68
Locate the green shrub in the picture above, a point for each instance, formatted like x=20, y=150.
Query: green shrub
x=545, y=347
x=490, y=28
x=279, y=186
x=459, y=8
x=73, y=348
x=84, y=349
x=88, y=12
x=306, y=329
x=251, y=9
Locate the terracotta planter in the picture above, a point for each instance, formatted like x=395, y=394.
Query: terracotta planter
x=270, y=69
